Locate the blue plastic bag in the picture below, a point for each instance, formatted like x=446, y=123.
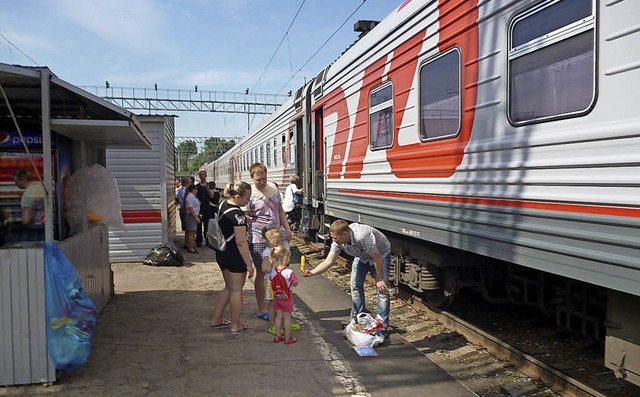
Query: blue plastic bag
x=71, y=314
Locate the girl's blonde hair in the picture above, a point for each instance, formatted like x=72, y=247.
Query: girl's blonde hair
x=273, y=236
x=280, y=254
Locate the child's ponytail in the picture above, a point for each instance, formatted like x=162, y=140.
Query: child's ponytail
x=279, y=254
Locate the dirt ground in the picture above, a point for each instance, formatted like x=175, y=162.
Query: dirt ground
x=153, y=338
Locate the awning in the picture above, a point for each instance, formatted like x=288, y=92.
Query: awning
x=74, y=112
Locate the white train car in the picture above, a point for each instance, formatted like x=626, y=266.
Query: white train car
x=497, y=144
x=273, y=144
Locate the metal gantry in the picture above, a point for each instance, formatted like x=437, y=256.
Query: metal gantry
x=155, y=100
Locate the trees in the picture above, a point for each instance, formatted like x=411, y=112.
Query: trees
x=190, y=158
x=184, y=152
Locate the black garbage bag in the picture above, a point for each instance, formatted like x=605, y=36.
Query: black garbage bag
x=166, y=254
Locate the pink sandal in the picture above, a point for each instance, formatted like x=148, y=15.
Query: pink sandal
x=289, y=341
x=278, y=339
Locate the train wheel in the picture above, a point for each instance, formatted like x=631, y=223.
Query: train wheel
x=448, y=284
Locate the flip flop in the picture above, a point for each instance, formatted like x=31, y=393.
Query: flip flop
x=239, y=331
x=272, y=331
x=223, y=324
x=264, y=316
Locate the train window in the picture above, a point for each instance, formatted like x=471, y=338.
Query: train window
x=440, y=114
x=284, y=150
x=268, y=154
x=381, y=117
x=551, y=61
x=292, y=147
x=275, y=152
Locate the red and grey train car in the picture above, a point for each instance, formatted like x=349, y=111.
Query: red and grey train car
x=497, y=144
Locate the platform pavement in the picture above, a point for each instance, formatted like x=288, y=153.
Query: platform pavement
x=153, y=339
x=322, y=362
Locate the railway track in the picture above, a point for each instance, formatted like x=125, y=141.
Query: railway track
x=483, y=362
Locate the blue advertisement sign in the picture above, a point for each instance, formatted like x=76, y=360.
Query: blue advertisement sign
x=12, y=140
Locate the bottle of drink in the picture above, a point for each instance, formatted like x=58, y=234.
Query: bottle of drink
x=302, y=263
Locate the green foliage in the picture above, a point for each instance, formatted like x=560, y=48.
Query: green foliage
x=190, y=159
x=215, y=147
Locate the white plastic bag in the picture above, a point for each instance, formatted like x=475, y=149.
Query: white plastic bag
x=365, y=330
x=103, y=198
x=357, y=338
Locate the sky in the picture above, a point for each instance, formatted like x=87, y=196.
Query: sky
x=267, y=46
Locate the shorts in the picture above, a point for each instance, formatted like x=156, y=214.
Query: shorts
x=256, y=254
x=286, y=305
x=232, y=266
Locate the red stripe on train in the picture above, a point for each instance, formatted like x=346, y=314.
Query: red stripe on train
x=537, y=205
x=142, y=216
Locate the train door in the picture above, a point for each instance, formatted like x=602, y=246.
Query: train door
x=317, y=146
x=297, y=142
x=317, y=193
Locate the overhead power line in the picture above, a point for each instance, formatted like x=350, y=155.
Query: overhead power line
x=278, y=47
x=16, y=47
x=322, y=46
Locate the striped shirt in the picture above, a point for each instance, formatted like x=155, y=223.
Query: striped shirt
x=365, y=240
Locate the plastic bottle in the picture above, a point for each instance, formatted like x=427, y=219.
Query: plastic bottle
x=302, y=263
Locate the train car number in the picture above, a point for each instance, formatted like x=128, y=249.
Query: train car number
x=409, y=232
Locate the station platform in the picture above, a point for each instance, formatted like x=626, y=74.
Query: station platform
x=154, y=339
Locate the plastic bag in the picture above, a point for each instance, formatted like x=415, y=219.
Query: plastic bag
x=71, y=314
x=164, y=255
x=103, y=198
x=364, y=330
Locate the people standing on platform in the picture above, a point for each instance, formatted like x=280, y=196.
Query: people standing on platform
x=235, y=261
x=292, y=198
x=215, y=200
x=264, y=210
x=372, y=254
x=32, y=200
x=192, y=218
x=274, y=238
x=180, y=195
x=205, y=195
x=282, y=281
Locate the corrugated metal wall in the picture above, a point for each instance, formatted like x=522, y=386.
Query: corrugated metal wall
x=23, y=337
x=145, y=178
x=170, y=177
x=89, y=254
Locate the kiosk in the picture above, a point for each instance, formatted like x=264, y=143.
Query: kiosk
x=52, y=129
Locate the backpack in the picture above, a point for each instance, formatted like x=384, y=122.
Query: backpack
x=215, y=238
x=280, y=287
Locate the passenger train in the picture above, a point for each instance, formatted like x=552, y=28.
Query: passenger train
x=497, y=145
